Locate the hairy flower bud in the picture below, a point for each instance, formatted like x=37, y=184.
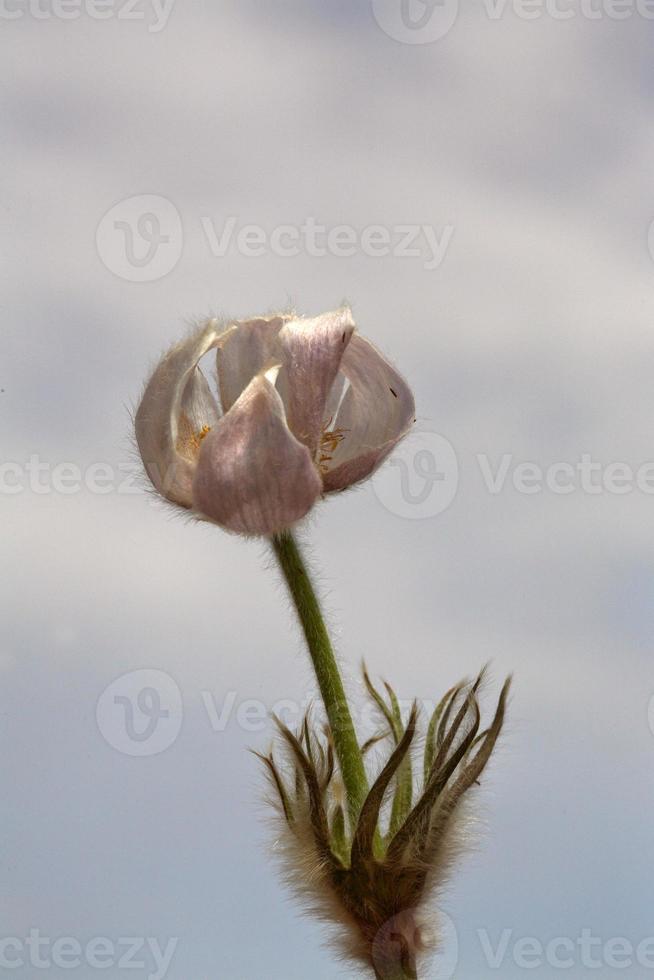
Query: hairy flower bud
x=373, y=876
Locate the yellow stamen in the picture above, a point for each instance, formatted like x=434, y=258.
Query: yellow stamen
x=189, y=440
x=197, y=437
x=329, y=443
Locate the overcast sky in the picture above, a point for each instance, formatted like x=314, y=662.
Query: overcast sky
x=512, y=158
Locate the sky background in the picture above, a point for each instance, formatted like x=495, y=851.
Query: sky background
x=532, y=141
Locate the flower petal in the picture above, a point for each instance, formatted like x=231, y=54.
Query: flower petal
x=377, y=410
x=312, y=350
x=253, y=475
x=245, y=353
x=176, y=399
x=198, y=415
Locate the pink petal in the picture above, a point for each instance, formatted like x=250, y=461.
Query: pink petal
x=253, y=475
x=247, y=351
x=312, y=350
x=176, y=404
x=377, y=411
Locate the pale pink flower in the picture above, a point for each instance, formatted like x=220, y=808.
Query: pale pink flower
x=306, y=407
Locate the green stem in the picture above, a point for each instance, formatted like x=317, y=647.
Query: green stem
x=307, y=606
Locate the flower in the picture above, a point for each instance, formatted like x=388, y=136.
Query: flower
x=373, y=878
x=307, y=406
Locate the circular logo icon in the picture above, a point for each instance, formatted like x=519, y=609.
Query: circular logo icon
x=416, y=21
x=140, y=713
x=421, y=477
x=408, y=937
x=141, y=239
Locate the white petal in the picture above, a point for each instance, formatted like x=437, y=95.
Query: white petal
x=250, y=348
x=377, y=411
x=253, y=475
x=334, y=399
x=175, y=399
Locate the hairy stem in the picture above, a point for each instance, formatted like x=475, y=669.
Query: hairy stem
x=307, y=606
